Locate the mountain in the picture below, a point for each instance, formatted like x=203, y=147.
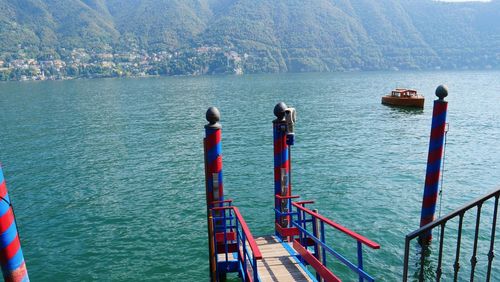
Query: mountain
x=46, y=25
x=275, y=35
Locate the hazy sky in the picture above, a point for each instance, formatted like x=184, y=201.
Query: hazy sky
x=464, y=0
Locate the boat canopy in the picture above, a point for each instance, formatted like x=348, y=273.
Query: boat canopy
x=402, y=92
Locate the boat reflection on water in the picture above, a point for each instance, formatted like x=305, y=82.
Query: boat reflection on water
x=405, y=110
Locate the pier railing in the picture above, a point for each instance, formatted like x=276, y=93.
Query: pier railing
x=232, y=235
x=311, y=243
x=441, y=224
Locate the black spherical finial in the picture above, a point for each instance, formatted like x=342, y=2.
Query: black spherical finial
x=279, y=110
x=442, y=91
x=213, y=117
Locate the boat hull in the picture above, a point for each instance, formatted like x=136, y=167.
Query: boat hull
x=414, y=102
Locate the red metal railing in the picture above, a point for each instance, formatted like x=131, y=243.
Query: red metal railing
x=335, y=225
x=288, y=231
x=315, y=237
x=234, y=236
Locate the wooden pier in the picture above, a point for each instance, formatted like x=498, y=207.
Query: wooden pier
x=277, y=263
x=297, y=250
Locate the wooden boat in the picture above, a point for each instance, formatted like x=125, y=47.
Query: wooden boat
x=402, y=97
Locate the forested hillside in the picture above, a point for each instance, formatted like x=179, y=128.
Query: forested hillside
x=210, y=36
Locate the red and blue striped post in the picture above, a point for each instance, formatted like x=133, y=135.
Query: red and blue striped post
x=213, y=178
x=434, y=160
x=11, y=255
x=213, y=157
x=281, y=164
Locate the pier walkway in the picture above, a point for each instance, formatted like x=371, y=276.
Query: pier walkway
x=277, y=263
x=297, y=250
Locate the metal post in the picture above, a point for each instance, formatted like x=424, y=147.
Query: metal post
x=317, y=247
x=213, y=172
x=434, y=160
x=211, y=247
x=322, y=233
x=281, y=163
x=12, y=259
x=406, y=259
x=254, y=267
x=360, y=260
x=244, y=244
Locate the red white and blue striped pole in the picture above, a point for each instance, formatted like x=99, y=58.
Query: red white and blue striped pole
x=11, y=255
x=434, y=159
x=281, y=164
x=213, y=179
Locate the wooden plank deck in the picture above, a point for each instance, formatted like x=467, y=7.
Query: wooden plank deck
x=277, y=264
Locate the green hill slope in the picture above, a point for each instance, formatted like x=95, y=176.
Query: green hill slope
x=275, y=35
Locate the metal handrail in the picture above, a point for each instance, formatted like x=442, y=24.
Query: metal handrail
x=339, y=227
x=441, y=222
x=316, y=237
x=248, y=235
x=279, y=197
x=237, y=240
x=330, y=250
x=228, y=201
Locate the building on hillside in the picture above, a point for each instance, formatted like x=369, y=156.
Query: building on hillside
x=107, y=64
x=105, y=56
x=59, y=64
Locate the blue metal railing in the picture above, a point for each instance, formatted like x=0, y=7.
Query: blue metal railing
x=311, y=244
x=316, y=233
x=232, y=237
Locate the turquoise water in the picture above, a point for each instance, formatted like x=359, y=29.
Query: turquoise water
x=106, y=176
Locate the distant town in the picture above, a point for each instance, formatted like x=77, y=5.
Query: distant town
x=81, y=63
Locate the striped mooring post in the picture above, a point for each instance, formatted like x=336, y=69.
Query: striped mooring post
x=213, y=176
x=11, y=255
x=434, y=160
x=281, y=164
x=213, y=157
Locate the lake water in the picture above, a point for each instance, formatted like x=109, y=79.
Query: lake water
x=106, y=176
